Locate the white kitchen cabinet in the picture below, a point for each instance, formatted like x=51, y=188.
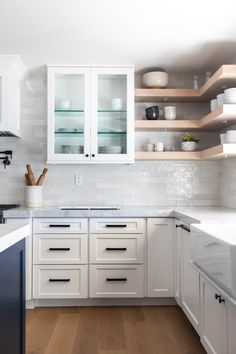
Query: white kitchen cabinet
x=160, y=257
x=189, y=279
x=214, y=321
x=12, y=70
x=90, y=114
x=28, y=258
x=177, y=262
x=231, y=338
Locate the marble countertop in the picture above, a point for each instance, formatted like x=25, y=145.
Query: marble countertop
x=12, y=233
x=188, y=214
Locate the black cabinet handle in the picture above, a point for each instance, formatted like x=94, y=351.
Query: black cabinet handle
x=59, y=225
x=217, y=296
x=116, y=279
x=86, y=155
x=116, y=248
x=114, y=225
x=59, y=280
x=93, y=155
x=184, y=228
x=59, y=249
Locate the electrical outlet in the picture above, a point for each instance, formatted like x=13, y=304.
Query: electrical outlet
x=79, y=179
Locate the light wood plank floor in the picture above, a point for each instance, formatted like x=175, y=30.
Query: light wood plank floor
x=110, y=330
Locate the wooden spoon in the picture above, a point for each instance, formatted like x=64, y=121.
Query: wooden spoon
x=31, y=177
x=42, y=177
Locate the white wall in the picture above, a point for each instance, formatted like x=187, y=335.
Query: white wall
x=144, y=183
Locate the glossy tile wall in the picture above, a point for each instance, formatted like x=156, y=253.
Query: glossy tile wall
x=166, y=183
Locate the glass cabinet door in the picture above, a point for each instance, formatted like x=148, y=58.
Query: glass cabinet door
x=112, y=114
x=68, y=116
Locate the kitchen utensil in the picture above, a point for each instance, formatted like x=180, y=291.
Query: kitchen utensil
x=220, y=99
x=230, y=95
x=31, y=176
x=152, y=113
x=170, y=112
x=214, y=105
x=42, y=177
x=158, y=79
x=27, y=179
x=116, y=104
x=158, y=146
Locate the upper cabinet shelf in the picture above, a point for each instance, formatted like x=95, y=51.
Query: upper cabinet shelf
x=225, y=76
x=221, y=118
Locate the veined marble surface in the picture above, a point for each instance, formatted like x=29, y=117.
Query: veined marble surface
x=188, y=215
x=12, y=233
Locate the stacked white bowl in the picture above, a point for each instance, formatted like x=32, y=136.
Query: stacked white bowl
x=229, y=137
x=230, y=95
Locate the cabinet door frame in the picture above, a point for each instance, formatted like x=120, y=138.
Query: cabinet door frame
x=112, y=158
x=177, y=262
x=52, y=157
x=194, y=318
x=223, y=311
x=152, y=263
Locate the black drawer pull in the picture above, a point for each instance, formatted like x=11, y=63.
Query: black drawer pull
x=59, y=225
x=116, y=249
x=59, y=249
x=114, y=225
x=116, y=279
x=59, y=280
x=184, y=228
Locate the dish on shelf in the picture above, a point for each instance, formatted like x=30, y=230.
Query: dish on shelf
x=231, y=137
x=155, y=79
x=72, y=149
x=220, y=99
x=110, y=149
x=230, y=95
x=214, y=105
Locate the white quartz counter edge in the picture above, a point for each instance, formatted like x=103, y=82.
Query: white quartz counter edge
x=189, y=215
x=12, y=233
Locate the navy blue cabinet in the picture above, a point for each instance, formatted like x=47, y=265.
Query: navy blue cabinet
x=12, y=299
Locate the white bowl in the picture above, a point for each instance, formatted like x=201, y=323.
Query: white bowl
x=230, y=95
x=220, y=99
x=158, y=79
x=231, y=137
x=223, y=138
x=214, y=105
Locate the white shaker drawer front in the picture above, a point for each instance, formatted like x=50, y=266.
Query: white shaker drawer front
x=105, y=248
x=60, y=226
x=117, y=226
x=60, y=282
x=116, y=281
x=60, y=249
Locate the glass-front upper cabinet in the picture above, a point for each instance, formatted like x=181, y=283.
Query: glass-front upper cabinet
x=90, y=114
x=112, y=112
x=68, y=114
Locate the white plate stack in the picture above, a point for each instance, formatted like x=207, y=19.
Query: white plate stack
x=230, y=96
x=229, y=137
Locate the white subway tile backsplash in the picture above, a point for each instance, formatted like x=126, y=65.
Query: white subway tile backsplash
x=166, y=183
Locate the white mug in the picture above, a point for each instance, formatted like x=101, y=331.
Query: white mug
x=159, y=146
x=148, y=147
x=170, y=112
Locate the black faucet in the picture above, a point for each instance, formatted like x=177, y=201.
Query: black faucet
x=6, y=162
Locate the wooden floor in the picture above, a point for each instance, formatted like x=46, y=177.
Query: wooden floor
x=110, y=330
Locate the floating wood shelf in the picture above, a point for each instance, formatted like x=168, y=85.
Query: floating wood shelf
x=215, y=153
x=221, y=118
x=225, y=76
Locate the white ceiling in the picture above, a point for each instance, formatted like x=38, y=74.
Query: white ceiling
x=180, y=35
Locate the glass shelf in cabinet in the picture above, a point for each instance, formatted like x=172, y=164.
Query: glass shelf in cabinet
x=112, y=111
x=68, y=110
x=113, y=133
x=69, y=133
